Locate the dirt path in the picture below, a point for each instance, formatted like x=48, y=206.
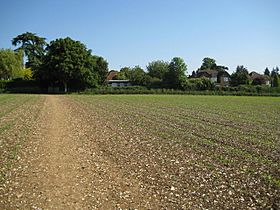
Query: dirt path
x=59, y=169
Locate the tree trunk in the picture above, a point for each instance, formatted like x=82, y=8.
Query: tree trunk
x=65, y=87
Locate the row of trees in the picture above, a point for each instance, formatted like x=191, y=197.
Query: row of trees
x=241, y=77
x=62, y=62
x=68, y=63
x=173, y=75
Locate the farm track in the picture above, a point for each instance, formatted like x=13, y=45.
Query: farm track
x=95, y=152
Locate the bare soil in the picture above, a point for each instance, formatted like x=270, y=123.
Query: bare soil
x=85, y=152
x=58, y=170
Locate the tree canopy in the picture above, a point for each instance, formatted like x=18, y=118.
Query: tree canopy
x=157, y=69
x=208, y=63
x=240, y=76
x=176, y=75
x=33, y=47
x=275, y=77
x=11, y=64
x=70, y=61
x=266, y=72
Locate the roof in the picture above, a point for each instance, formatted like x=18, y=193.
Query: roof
x=207, y=72
x=112, y=74
x=254, y=75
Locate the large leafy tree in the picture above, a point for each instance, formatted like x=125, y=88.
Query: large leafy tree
x=123, y=74
x=240, y=76
x=208, y=63
x=157, y=69
x=33, y=47
x=275, y=77
x=176, y=75
x=68, y=61
x=138, y=76
x=11, y=63
x=101, y=66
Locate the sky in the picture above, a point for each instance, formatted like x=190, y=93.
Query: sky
x=136, y=32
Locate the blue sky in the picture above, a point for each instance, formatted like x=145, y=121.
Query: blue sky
x=136, y=32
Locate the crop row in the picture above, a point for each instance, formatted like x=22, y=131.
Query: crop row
x=167, y=145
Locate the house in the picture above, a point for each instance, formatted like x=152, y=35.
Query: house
x=119, y=83
x=259, y=79
x=220, y=78
x=116, y=83
x=111, y=75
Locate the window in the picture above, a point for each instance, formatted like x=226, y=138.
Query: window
x=226, y=79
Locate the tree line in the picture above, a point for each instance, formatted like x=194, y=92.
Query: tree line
x=173, y=75
x=68, y=64
x=62, y=62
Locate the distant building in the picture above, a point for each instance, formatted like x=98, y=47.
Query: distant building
x=220, y=78
x=111, y=75
x=259, y=79
x=119, y=83
x=116, y=83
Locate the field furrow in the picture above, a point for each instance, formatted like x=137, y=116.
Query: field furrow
x=139, y=152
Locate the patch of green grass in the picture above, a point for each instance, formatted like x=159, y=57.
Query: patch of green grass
x=272, y=180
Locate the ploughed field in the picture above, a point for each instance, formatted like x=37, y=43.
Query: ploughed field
x=139, y=152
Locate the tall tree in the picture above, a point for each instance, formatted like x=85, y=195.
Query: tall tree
x=266, y=72
x=275, y=71
x=68, y=61
x=240, y=76
x=275, y=77
x=123, y=74
x=33, y=47
x=157, y=69
x=138, y=76
x=101, y=66
x=208, y=63
x=242, y=69
x=176, y=75
x=275, y=81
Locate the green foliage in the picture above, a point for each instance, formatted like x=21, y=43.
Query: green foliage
x=275, y=77
x=26, y=74
x=33, y=47
x=10, y=63
x=275, y=71
x=199, y=84
x=20, y=86
x=275, y=81
x=123, y=74
x=208, y=63
x=68, y=61
x=242, y=69
x=193, y=89
x=157, y=69
x=266, y=72
x=240, y=77
x=175, y=77
x=101, y=67
x=137, y=76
